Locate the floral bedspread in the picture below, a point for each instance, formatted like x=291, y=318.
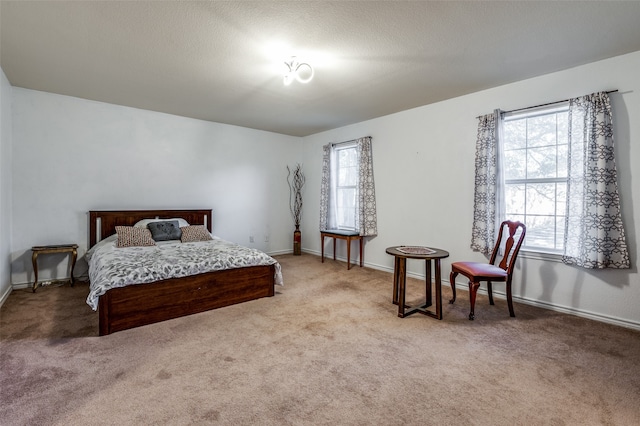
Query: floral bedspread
x=111, y=267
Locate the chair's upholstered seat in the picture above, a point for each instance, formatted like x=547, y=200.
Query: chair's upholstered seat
x=481, y=271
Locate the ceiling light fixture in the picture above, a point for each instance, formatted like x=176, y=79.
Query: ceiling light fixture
x=295, y=70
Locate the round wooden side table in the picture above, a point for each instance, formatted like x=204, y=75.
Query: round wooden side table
x=428, y=254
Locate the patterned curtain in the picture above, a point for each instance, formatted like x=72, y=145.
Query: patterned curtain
x=594, y=234
x=366, y=217
x=325, y=188
x=487, y=200
x=367, y=222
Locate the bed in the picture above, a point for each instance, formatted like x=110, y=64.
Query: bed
x=135, y=305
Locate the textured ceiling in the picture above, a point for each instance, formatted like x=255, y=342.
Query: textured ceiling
x=214, y=60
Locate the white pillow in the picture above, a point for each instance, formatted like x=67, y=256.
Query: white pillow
x=109, y=240
x=144, y=222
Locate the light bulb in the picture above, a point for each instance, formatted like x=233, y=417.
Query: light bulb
x=302, y=72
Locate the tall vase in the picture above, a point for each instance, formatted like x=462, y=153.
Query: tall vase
x=297, y=242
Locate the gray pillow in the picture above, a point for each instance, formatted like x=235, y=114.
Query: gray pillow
x=165, y=230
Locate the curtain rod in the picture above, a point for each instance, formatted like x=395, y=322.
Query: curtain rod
x=352, y=140
x=547, y=104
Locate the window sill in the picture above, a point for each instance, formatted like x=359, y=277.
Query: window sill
x=538, y=255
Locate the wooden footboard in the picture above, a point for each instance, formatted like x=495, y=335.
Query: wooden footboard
x=142, y=304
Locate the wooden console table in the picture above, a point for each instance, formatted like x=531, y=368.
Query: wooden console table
x=342, y=235
x=72, y=249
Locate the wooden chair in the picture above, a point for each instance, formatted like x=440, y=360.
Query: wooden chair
x=489, y=272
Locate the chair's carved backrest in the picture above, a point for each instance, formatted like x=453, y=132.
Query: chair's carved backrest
x=509, y=251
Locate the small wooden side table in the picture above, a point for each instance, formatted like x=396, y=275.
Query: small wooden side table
x=343, y=235
x=60, y=248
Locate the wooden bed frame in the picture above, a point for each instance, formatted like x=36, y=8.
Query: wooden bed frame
x=141, y=304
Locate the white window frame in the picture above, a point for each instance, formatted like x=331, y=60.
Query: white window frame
x=336, y=188
x=528, y=249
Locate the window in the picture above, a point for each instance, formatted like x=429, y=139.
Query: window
x=535, y=146
x=558, y=177
x=347, y=192
x=346, y=185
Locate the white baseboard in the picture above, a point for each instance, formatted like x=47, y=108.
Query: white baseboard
x=546, y=305
x=572, y=311
x=278, y=252
x=21, y=286
x=5, y=295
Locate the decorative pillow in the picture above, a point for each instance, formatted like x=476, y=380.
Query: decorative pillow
x=144, y=222
x=165, y=230
x=129, y=236
x=195, y=233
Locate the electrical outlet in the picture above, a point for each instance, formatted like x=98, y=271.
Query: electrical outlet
x=266, y=238
x=250, y=238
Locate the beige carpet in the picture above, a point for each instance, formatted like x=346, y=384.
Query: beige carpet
x=327, y=349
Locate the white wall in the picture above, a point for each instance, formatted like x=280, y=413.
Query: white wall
x=424, y=172
x=5, y=186
x=72, y=155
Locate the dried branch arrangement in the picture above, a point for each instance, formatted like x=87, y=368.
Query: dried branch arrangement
x=295, y=178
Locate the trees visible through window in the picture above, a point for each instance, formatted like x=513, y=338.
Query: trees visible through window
x=535, y=174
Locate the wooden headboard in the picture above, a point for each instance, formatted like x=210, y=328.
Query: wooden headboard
x=102, y=223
